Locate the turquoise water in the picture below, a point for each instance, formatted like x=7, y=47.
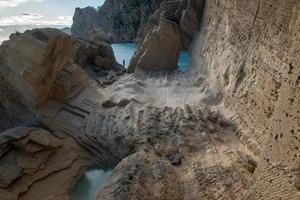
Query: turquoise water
x=126, y=51
x=91, y=183
x=184, y=61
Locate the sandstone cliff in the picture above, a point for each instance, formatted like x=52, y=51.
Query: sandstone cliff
x=34, y=61
x=251, y=54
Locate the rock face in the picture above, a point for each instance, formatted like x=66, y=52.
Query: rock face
x=32, y=62
x=122, y=21
x=228, y=131
x=160, y=49
x=36, y=164
x=84, y=21
x=169, y=30
x=13, y=110
x=143, y=172
x=251, y=53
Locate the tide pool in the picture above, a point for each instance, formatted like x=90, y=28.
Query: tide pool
x=91, y=183
x=125, y=51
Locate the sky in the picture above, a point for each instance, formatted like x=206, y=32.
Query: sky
x=41, y=12
x=21, y=15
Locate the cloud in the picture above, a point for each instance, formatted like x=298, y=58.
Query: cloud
x=35, y=19
x=14, y=3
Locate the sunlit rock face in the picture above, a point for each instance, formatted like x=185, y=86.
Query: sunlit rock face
x=251, y=53
x=169, y=30
x=160, y=49
x=34, y=63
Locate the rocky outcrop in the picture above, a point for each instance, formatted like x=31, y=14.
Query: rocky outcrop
x=192, y=144
x=169, y=30
x=122, y=21
x=84, y=21
x=251, y=54
x=37, y=164
x=32, y=62
x=229, y=132
x=157, y=179
x=160, y=49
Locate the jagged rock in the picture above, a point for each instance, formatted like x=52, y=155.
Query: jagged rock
x=169, y=30
x=122, y=21
x=160, y=49
x=32, y=62
x=84, y=21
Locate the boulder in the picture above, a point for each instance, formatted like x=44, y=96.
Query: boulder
x=160, y=49
x=156, y=178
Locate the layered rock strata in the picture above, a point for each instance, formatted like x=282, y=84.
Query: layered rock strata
x=37, y=164
x=37, y=161
x=233, y=135
x=34, y=61
x=251, y=53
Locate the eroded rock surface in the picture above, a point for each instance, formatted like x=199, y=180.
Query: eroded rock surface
x=232, y=133
x=160, y=49
x=251, y=53
x=37, y=164
x=33, y=61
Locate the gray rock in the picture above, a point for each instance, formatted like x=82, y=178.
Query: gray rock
x=122, y=20
x=84, y=21
x=175, y=159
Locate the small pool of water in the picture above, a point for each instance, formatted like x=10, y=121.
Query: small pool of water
x=125, y=51
x=91, y=183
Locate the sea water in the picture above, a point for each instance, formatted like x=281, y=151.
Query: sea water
x=91, y=183
x=125, y=51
